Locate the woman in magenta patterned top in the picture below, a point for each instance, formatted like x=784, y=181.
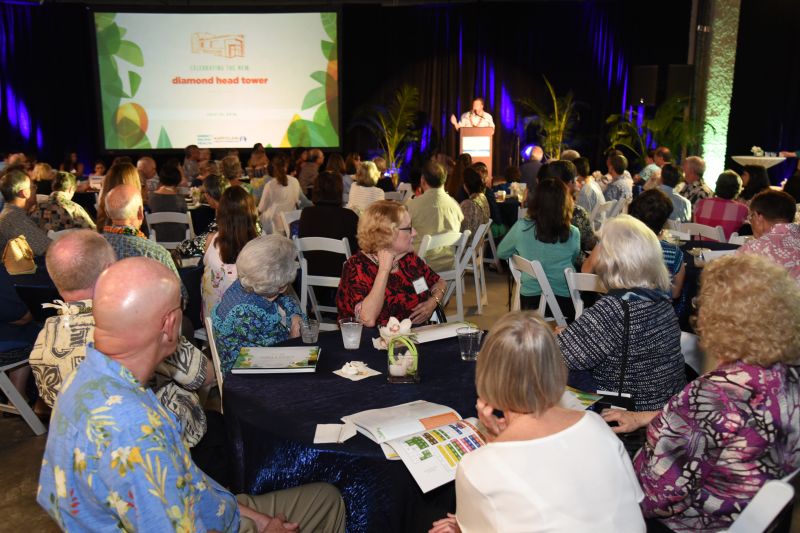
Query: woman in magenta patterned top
x=715, y=443
x=386, y=278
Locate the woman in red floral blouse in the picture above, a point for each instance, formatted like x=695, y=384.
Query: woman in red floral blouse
x=386, y=278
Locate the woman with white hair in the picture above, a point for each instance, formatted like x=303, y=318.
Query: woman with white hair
x=254, y=311
x=631, y=335
x=365, y=191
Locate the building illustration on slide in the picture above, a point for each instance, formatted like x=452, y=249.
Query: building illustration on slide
x=218, y=45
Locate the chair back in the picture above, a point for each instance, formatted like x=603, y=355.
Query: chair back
x=454, y=276
x=309, y=281
x=212, y=344
x=455, y=239
x=716, y=254
x=764, y=508
x=738, y=239
x=522, y=212
x=287, y=218
x=601, y=213
x=405, y=189
x=715, y=233
x=168, y=217
x=621, y=207
x=692, y=354
x=534, y=269
x=676, y=234
x=396, y=196
x=577, y=282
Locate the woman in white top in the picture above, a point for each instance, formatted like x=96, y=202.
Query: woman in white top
x=236, y=222
x=281, y=194
x=546, y=468
x=364, y=191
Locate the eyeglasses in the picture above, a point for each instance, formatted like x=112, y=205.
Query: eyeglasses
x=408, y=229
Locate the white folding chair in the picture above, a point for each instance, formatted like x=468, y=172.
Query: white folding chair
x=715, y=233
x=675, y=234
x=212, y=343
x=738, y=239
x=405, y=189
x=601, y=212
x=309, y=281
x=534, y=269
x=716, y=254
x=166, y=217
x=17, y=404
x=458, y=241
x=522, y=212
x=621, y=207
x=578, y=282
x=475, y=265
x=41, y=198
x=396, y=196
x=287, y=217
x=56, y=234
x=764, y=508
x=692, y=354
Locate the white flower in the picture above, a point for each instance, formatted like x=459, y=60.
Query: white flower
x=393, y=328
x=61, y=482
x=112, y=400
x=121, y=454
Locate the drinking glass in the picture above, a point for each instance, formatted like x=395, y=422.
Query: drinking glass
x=351, y=332
x=469, y=342
x=310, y=331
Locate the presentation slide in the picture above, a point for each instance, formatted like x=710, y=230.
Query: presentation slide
x=218, y=80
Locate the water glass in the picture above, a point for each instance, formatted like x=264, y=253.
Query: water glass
x=310, y=331
x=469, y=342
x=351, y=332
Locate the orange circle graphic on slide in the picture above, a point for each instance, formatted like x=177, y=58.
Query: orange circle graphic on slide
x=130, y=121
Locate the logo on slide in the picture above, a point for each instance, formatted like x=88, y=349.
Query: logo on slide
x=218, y=45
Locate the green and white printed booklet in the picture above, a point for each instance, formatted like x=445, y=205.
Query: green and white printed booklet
x=276, y=359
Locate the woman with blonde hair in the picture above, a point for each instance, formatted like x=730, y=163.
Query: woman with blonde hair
x=540, y=470
x=118, y=174
x=731, y=430
x=629, y=339
x=386, y=278
x=365, y=190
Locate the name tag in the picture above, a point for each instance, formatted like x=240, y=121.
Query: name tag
x=420, y=285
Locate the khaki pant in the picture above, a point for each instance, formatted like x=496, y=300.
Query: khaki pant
x=316, y=507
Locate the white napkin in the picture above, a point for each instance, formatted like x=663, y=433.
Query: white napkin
x=356, y=371
x=333, y=433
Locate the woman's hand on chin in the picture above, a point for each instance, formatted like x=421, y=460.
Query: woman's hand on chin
x=386, y=259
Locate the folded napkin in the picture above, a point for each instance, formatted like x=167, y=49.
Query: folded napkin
x=333, y=433
x=356, y=371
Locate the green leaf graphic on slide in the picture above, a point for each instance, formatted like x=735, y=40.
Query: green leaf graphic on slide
x=321, y=130
x=125, y=122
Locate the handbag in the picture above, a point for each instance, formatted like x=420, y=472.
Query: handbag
x=619, y=399
x=18, y=256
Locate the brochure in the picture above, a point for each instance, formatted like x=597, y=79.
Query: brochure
x=276, y=360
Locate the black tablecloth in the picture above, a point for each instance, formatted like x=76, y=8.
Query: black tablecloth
x=271, y=420
x=691, y=283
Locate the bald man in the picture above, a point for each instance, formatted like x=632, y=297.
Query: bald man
x=114, y=458
x=125, y=209
x=75, y=261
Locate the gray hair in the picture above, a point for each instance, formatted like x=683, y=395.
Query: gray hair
x=367, y=174
x=630, y=256
x=266, y=265
x=115, y=210
x=697, y=165
x=570, y=155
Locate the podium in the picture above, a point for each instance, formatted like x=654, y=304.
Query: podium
x=477, y=142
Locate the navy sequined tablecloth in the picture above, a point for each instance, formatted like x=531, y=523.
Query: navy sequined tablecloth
x=271, y=420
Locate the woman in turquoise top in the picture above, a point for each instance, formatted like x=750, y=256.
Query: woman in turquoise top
x=547, y=236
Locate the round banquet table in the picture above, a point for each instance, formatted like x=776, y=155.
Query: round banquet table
x=271, y=420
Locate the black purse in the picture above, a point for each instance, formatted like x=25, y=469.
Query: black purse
x=619, y=399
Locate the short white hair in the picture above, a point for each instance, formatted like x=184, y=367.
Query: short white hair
x=630, y=256
x=266, y=265
x=126, y=211
x=697, y=165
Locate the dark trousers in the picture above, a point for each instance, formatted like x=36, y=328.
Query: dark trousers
x=564, y=302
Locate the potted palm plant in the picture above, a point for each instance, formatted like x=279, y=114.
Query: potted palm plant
x=554, y=119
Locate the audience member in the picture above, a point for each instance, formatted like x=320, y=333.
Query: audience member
x=205, y=169
x=118, y=174
x=206, y=213
x=18, y=331
x=604, y=180
x=475, y=208
x=351, y=165
x=191, y=156
x=530, y=168
x=237, y=223
x=148, y=175
x=109, y=472
x=653, y=208
x=539, y=471
x=621, y=186
x=776, y=236
x=694, y=188
x=309, y=169
x=503, y=181
x=455, y=180
x=59, y=212
x=570, y=155
x=721, y=209
x=15, y=186
x=166, y=199
x=716, y=442
x=590, y=195
x=566, y=172
x=381, y=281
x=792, y=186
x=385, y=182
x=255, y=311
x=258, y=162
x=365, y=191
x=671, y=176
x=755, y=179
x=74, y=263
x=547, y=236
x=633, y=326
x=281, y=194
x=649, y=170
x=661, y=157
x=42, y=178
x=71, y=164
x=231, y=168
x=327, y=218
